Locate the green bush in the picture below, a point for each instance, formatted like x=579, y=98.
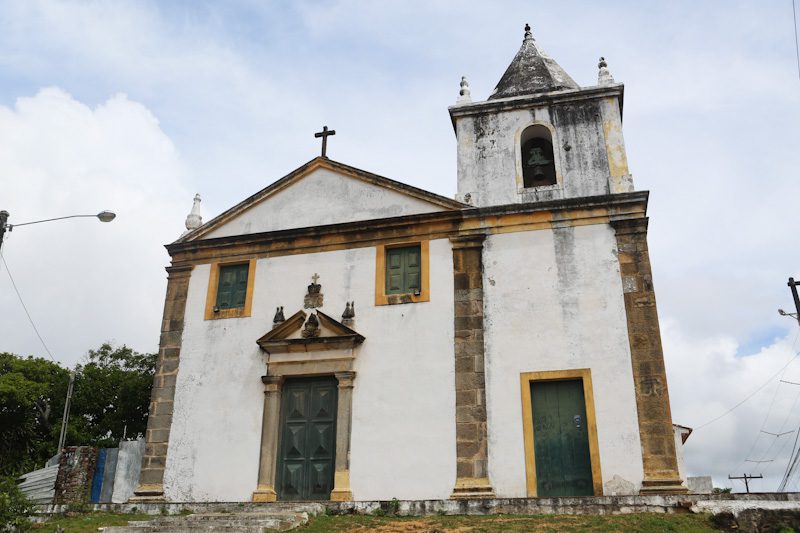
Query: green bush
x=14, y=507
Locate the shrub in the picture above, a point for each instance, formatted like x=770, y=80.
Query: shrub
x=14, y=507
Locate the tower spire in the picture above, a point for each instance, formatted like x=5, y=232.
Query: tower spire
x=532, y=71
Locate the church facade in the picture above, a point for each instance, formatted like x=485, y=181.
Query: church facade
x=393, y=343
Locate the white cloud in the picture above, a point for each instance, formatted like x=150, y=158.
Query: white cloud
x=85, y=282
x=707, y=378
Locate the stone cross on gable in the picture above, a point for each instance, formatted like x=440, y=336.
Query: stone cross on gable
x=324, y=134
x=313, y=298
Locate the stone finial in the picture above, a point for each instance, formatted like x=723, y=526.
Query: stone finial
x=279, y=318
x=349, y=313
x=528, y=34
x=604, y=77
x=464, y=94
x=194, y=220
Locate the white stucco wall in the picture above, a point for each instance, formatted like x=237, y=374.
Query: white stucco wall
x=403, y=436
x=323, y=197
x=678, y=432
x=216, y=423
x=489, y=166
x=553, y=301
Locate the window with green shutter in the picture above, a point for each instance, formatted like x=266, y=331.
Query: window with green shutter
x=232, y=288
x=404, y=270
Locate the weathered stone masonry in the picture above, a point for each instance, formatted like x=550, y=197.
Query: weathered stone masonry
x=76, y=468
x=151, y=480
x=649, y=374
x=472, y=470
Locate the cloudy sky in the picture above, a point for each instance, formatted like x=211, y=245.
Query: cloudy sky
x=136, y=106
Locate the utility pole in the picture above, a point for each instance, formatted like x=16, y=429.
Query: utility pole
x=3, y=221
x=746, y=478
x=792, y=285
x=62, y=437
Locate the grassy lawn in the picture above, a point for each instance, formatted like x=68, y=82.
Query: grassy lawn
x=645, y=523
x=88, y=523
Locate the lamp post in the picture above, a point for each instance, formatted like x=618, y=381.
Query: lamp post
x=103, y=216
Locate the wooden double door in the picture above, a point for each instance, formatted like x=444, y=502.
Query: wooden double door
x=307, y=446
x=561, y=439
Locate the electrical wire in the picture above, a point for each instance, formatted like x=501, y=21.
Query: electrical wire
x=761, y=429
x=793, y=456
x=27, y=313
x=796, y=45
x=766, y=418
x=795, y=356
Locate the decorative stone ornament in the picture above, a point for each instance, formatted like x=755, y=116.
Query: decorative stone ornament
x=313, y=298
x=279, y=318
x=604, y=77
x=311, y=329
x=194, y=220
x=349, y=313
x=528, y=34
x=464, y=94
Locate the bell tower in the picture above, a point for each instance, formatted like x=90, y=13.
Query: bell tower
x=545, y=149
x=539, y=136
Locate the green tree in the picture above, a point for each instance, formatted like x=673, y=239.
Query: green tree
x=32, y=392
x=111, y=396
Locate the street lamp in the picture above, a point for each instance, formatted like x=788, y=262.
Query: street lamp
x=103, y=216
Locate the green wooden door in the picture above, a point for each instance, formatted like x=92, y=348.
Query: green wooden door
x=308, y=439
x=561, y=439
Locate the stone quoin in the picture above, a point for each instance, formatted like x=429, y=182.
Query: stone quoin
x=506, y=342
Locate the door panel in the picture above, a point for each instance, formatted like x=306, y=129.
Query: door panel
x=307, y=439
x=561, y=439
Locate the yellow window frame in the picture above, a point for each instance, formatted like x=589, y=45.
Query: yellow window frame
x=213, y=285
x=381, y=298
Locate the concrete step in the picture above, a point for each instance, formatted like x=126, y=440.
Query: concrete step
x=247, y=522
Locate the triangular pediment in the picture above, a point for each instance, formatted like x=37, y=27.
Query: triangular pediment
x=288, y=336
x=319, y=193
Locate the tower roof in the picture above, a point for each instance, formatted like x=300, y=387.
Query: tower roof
x=532, y=71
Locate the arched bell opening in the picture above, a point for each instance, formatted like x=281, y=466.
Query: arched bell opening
x=538, y=160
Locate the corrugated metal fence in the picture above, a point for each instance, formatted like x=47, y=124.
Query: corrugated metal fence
x=87, y=474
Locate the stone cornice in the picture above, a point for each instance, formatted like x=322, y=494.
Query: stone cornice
x=537, y=100
x=440, y=224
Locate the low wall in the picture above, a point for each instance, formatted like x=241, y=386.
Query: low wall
x=712, y=504
x=75, y=472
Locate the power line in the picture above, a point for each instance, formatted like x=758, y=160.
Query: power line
x=793, y=457
x=763, y=424
x=780, y=433
x=796, y=354
x=796, y=46
x=26, y=308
